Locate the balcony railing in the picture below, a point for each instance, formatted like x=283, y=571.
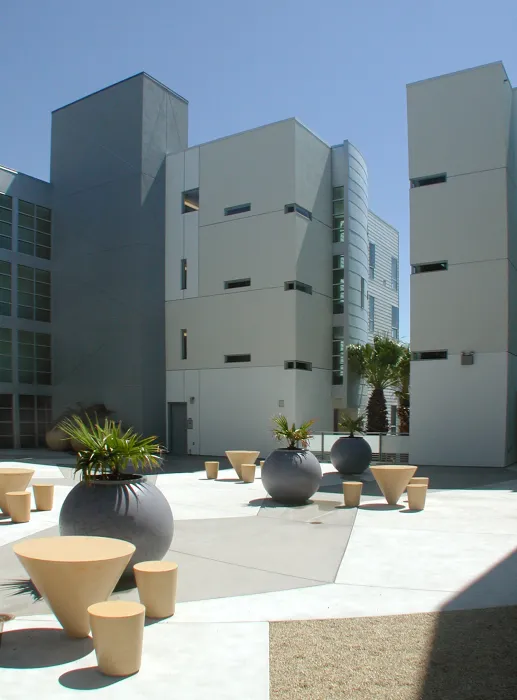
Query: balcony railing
x=388, y=449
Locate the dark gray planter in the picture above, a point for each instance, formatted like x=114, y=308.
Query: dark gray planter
x=351, y=455
x=133, y=510
x=291, y=476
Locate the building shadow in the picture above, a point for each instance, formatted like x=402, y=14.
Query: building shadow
x=40, y=647
x=89, y=678
x=474, y=648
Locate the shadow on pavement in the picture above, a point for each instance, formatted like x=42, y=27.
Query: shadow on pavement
x=89, y=678
x=40, y=647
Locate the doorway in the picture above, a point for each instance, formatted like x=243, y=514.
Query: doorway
x=177, y=432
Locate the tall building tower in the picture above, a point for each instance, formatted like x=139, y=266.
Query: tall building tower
x=462, y=167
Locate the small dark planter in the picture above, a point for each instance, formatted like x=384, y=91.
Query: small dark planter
x=291, y=476
x=351, y=455
x=132, y=510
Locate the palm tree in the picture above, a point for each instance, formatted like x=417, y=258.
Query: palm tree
x=377, y=364
x=402, y=393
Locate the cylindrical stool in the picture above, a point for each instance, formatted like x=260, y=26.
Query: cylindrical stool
x=212, y=470
x=248, y=473
x=416, y=494
x=262, y=463
x=43, y=496
x=19, y=506
x=118, y=632
x=157, y=582
x=420, y=480
x=352, y=493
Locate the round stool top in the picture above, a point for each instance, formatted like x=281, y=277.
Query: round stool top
x=116, y=608
x=18, y=493
x=155, y=566
x=352, y=483
x=73, y=549
x=392, y=467
x=417, y=486
x=42, y=486
x=15, y=470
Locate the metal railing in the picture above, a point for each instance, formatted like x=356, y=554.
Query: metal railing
x=385, y=448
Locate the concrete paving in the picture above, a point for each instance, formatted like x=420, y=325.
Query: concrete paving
x=245, y=561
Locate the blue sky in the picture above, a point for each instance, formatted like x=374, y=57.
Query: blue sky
x=339, y=66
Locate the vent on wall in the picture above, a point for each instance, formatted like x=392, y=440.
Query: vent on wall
x=237, y=209
x=237, y=358
x=428, y=180
x=430, y=355
x=237, y=284
x=298, y=286
x=429, y=267
x=297, y=364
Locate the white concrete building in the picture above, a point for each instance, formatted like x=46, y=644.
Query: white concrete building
x=266, y=284
x=462, y=166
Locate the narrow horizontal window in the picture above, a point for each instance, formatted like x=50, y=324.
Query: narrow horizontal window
x=297, y=364
x=290, y=208
x=190, y=201
x=430, y=355
x=238, y=209
x=236, y=284
x=237, y=358
x=298, y=286
x=429, y=180
x=429, y=267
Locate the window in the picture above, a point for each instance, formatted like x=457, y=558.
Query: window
x=290, y=208
x=430, y=355
x=190, y=201
x=183, y=272
x=6, y=355
x=338, y=214
x=363, y=285
x=395, y=322
x=237, y=284
x=6, y=217
x=6, y=421
x=429, y=267
x=296, y=364
x=183, y=338
x=393, y=418
x=372, y=260
x=371, y=313
x=394, y=273
x=338, y=284
x=238, y=209
x=5, y=288
x=33, y=293
x=298, y=286
x=34, y=224
x=237, y=358
x=34, y=358
x=35, y=414
x=429, y=180
x=338, y=354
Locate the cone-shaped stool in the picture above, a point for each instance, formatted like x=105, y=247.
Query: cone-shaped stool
x=393, y=480
x=13, y=479
x=118, y=633
x=72, y=573
x=239, y=457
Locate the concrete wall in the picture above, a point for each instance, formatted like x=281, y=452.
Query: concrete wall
x=268, y=167
x=460, y=125
x=108, y=174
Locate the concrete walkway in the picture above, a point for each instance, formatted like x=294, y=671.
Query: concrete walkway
x=244, y=561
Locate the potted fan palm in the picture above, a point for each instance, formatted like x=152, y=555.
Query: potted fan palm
x=351, y=454
x=291, y=474
x=111, y=500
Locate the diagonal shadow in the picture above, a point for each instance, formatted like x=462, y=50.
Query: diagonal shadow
x=89, y=678
x=41, y=647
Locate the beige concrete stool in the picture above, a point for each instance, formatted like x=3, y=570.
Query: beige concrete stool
x=19, y=506
x=392, y=480
x=13, y=479
x=262, y=463
x=157, y=582
x=420, y=480
x=239, y=457
x=43, y=496
x=212, y=470
x=352, y=493
x=416, y=494
x=248, y=473
x=118, y=632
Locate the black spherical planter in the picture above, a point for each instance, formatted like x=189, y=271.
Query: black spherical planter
x=133, y=510
x=291, y=476
x=351, y=455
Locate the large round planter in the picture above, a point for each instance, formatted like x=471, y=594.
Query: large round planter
x=351, y=455
x=133, y=510
x=57, y=440
x=291, y=476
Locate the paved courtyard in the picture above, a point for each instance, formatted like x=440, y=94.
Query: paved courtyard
x=245, y=562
